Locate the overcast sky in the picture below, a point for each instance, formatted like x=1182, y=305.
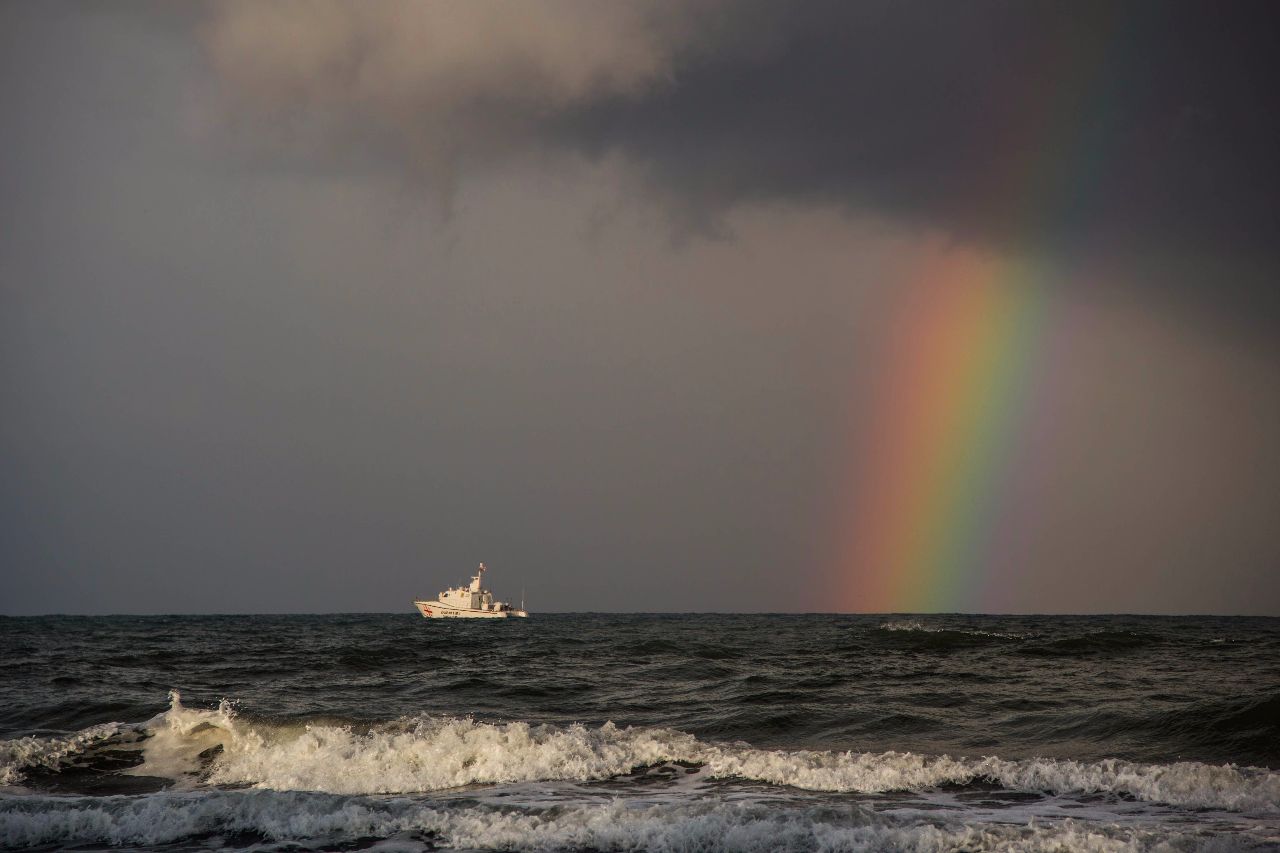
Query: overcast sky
x=312, y=307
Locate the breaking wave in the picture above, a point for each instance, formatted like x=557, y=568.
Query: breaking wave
x=19, y=756
x=197, y=747
x=300, y=819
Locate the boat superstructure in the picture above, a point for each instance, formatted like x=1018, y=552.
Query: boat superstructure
x=468, y=602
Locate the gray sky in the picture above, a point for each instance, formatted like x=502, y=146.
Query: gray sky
x=311, y=308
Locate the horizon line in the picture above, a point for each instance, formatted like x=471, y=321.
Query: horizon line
x=650, y=613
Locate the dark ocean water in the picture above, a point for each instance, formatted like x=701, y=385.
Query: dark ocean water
x=640, y=732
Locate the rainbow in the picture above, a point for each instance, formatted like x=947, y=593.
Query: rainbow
x=945, y=422
x=931, y=505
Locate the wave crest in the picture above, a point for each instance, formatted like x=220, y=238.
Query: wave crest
x=421, y=754
x=21, y=755
x=1187, y=784
x=938, y=632
x=213, y=818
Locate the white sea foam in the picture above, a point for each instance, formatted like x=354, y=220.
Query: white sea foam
x=1186, y=784
x=915, y=625
x=21, y=755
x=422, y=754
x=906, y=625
x=413, y=754
x=707, y=826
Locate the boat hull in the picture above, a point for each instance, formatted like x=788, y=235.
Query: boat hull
x=436, y=610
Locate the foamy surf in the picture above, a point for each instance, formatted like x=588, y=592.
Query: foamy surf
x=915, y=626
x=304, y=820
x=21, y=755
x=197, y=747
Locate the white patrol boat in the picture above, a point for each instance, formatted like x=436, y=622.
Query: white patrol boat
x=468, y=602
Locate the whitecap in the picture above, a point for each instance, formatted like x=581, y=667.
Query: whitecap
x=312, y=819
x=425, y=753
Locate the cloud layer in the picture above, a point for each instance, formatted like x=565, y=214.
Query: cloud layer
x=1120, y=127
x=435, y=86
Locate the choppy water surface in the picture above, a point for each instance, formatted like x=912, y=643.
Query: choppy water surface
x=609, y=732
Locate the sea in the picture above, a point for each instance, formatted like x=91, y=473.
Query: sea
x=608, y=732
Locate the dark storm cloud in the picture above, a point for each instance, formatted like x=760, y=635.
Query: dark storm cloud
x=1125, y=127
x=1050, y=123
